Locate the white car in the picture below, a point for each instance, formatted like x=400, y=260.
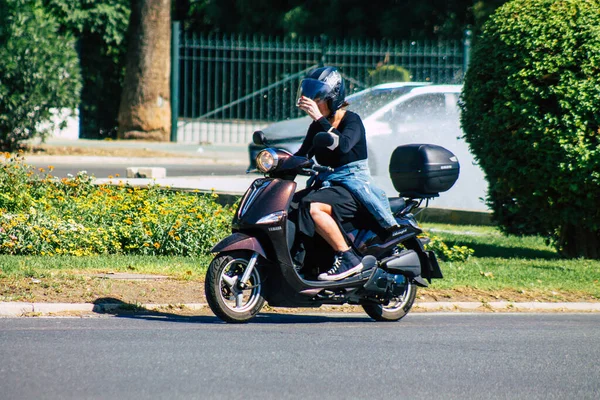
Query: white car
x=403, y=113
x=289, y=134
x=427, y=115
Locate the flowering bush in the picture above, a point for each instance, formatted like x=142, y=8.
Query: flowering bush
x=43, y=215
x=446, y=253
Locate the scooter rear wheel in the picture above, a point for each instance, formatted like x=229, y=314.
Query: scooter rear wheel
x=396, y=309
x=226, y=298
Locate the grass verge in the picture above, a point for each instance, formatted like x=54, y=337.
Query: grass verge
x=503, y=268
x=42, y=267
x=520, y=265
x=94, y=279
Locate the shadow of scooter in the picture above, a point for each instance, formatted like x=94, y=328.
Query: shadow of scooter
x=121, y=309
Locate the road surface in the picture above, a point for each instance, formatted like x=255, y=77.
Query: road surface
x=425, y=356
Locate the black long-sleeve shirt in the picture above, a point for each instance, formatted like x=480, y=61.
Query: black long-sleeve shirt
x=352, y=141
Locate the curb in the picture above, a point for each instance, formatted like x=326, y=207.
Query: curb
x=23, y=309
x=506, y=306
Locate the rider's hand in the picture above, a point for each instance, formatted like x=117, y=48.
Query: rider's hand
x=310, y=107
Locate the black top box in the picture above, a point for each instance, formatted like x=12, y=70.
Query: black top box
x=423, y=170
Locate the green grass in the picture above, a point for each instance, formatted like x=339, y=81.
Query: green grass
x=39, y=266
x=488, y=241
x=519, y=264
x=510, y=262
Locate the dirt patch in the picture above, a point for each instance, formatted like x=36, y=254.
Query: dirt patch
x=91, y=289
x=87, y=289
x=511, y=295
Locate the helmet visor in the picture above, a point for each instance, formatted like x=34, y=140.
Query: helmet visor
x=313, y=89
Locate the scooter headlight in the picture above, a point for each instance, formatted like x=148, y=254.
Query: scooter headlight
x=266, y=160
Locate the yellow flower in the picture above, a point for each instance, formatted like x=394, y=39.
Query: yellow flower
x=156, y=244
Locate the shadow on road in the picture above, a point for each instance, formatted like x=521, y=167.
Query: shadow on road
x=118, y=308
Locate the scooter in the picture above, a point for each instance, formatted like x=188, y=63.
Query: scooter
x=254, y=264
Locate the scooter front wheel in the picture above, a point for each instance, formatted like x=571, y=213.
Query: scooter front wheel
x=397, y=308
x=229, y=298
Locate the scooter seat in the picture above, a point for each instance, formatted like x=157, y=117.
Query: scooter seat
x=397, y=204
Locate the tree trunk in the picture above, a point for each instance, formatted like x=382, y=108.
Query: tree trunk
x=576, y=241
x=145, y=109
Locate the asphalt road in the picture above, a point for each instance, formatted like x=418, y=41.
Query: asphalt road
x=104, y=171
x=425, y=356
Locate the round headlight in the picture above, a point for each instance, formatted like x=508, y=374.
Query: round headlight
x=266, y=160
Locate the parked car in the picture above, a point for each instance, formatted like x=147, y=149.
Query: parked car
x=396, y=114
x=289, y=134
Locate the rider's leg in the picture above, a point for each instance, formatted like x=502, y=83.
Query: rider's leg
x=346, y=262
x=326, y=226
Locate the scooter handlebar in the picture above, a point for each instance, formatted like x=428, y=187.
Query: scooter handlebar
x=322, y=168
x=308, y=171
x=314, y=169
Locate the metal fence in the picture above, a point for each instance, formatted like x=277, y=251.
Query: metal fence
x=227, y=86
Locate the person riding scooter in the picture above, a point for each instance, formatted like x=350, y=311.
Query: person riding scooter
x=338, y=196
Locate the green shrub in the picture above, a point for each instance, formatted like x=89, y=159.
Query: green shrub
x=100, y=28
x=38, y=72
x=446, y=253
x=388, y=73
x=531, y=115
x=42, y=215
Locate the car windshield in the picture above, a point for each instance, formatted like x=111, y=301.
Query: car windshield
x=367, y=103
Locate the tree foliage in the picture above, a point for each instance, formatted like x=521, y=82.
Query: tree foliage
x=388, y=73
x=100, y=28
x=396, y=19
x=39, y=72
x=531, y=115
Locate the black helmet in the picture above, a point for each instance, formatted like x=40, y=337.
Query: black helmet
x=324, y=83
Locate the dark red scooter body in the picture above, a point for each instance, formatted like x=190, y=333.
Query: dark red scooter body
x=284, y=286
x=393, y=262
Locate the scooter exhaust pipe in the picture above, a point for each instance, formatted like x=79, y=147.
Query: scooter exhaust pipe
x=406, y=263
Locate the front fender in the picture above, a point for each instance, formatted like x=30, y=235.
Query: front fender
x=239, y=241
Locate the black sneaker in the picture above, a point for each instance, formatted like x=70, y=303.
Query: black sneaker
x=345, y=264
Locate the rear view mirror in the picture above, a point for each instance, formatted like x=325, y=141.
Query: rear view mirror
x=258, y=137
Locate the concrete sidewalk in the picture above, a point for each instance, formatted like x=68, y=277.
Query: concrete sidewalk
x=174, y=153
x=176, y=148
x=23, y=309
